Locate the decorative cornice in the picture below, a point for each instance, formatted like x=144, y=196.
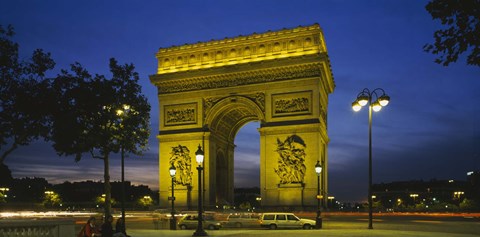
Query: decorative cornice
x=238, y=78
x=302, y=40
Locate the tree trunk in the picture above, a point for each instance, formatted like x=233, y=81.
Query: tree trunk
x=7, y=152
x=107, y=188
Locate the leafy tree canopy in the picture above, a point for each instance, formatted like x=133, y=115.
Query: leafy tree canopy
x=462, y=35
x=99, y=116
x=23, y=101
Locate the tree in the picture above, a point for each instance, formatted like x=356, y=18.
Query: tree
x=23, y=101
x=101, y=201
x=462, y=17
x=51, y=199
x=469, y=205
x=145, y=202
x=91, y=116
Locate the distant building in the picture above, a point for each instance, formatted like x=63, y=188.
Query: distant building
x=31, y=192
x=427, y=195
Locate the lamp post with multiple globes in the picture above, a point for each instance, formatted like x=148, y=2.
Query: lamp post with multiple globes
x=363, y=98
x=173, y=221
x=199, y=155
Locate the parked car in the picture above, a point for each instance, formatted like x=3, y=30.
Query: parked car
x=161, y=217
x=240, y=220
x=284, y=220
x=190, y=221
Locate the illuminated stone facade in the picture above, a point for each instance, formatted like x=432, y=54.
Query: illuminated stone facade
x=207, y=91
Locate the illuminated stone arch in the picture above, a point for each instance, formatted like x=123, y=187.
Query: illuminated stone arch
x=231, y=113
x=284, y=88
x=224, y=118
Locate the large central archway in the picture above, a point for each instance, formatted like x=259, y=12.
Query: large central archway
x=208, y=91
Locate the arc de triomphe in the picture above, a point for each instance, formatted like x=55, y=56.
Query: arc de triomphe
x=208, y=90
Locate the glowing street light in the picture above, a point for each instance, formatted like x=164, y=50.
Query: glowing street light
x=414, y=196
x=173, y=222
x=318, y=171
x=363, y=98
x=199, y=156
x=123, y=113
x=3, y=192
x=457, y=194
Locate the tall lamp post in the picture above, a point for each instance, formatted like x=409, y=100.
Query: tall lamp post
x=318, y=221
x=123, y=184
x=199, y=155
x=173, y=221
x=363, y=98
x=122, y=113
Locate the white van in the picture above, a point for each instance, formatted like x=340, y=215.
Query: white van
x=276, y=220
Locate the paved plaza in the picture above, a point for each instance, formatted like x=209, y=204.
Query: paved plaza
x=435, y=225
x=299, y=233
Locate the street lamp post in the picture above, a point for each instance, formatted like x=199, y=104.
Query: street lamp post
x=364, y=98
x=414, y=196
x=173, y=221
x=122, y=151
x=199, y=155
x=318, y=221
x=122, y=113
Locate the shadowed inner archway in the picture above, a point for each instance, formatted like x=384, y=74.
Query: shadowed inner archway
x=225, y=120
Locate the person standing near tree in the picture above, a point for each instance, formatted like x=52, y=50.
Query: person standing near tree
x=107, y=229
x=120, y=228
x=91, y=229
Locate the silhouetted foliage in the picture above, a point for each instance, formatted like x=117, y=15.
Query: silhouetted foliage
x=29, y=189
x=100, y=116
x=462, y=17
x=23, y=101
x=469, y=205
x=5, y=176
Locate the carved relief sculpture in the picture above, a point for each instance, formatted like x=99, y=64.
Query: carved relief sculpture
x=293, y=105
x=180, y=114
x=258, y=98
x=181, y=160
x=297, y=103
x=291, y=161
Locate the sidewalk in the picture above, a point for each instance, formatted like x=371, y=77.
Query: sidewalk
x=296, y=233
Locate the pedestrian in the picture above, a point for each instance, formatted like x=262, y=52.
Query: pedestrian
x=107, y=229
x=90, y=229
x=120, y=228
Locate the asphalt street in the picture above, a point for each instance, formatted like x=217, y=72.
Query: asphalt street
x=334, y=224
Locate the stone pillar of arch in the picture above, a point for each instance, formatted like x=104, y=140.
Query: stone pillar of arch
x=207, y=91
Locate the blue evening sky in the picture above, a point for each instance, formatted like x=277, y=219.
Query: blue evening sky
x=431, y=129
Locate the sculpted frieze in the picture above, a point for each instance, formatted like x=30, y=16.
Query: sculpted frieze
x=182, y=162
x=291, y=161
x=258, y=98
x=323, y=114
x=239, y=79
x=296, y=103
x=300, y=104
x=180, y=114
